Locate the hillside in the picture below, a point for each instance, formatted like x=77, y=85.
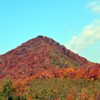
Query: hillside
x=42, y=69
x=39, y=54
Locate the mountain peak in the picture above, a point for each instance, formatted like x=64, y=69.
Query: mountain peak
x=41, y=40
x=44, y=38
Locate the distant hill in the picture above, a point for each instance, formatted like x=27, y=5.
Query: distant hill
x=39, y=54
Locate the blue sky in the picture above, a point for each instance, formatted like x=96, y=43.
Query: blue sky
x=73, y=23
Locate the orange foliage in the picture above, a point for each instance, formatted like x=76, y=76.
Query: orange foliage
x=84, y=96
x=70, y=97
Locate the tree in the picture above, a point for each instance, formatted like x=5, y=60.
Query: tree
x=8, y=90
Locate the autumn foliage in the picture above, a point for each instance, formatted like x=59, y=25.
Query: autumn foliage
x=42, y=69
x=40, y=54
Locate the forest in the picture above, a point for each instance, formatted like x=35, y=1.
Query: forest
x=63, y=84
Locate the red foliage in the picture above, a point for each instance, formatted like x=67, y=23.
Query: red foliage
x=33, y=59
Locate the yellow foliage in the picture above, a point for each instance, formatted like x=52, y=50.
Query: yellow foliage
x=1, y=88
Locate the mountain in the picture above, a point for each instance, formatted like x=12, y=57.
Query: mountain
x=39, y=54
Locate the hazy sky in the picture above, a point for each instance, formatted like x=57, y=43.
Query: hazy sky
x=73, y=23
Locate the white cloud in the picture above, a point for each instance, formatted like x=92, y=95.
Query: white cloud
x=89, y=36
x=94, y=5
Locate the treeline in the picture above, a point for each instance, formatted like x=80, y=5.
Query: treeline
x=51, y=89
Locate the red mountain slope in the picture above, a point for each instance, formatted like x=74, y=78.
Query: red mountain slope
x=39, y=54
